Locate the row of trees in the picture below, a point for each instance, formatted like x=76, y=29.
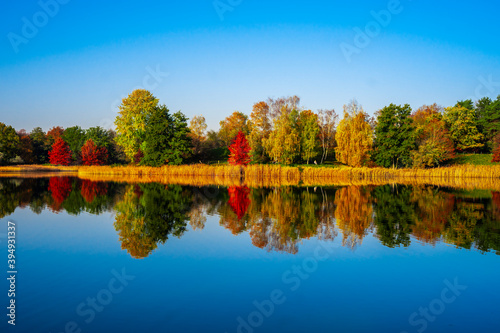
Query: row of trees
x=73, y=145
x=427, y=137
x=280, y=131
x=277, y=131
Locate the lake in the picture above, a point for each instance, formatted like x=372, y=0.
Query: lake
x=119, y=257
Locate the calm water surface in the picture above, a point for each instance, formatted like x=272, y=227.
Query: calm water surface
x=116, y=257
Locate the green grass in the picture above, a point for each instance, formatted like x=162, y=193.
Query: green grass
x=473, y=159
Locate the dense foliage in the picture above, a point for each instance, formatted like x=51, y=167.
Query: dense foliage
x=394, y=137
x=278, y=130
x=239, y=150
x=60, y=153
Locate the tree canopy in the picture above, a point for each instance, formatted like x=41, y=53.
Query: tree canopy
x=132, y=118
x=394, y=137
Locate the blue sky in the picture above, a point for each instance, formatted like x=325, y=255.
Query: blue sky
x=80, y=60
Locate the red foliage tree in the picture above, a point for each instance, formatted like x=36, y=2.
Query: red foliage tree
x=60, y=187
x=239, y=150
x=60, y=153
x=238, y=200
x=496, y=150
x=90, y=190
x=93, y=155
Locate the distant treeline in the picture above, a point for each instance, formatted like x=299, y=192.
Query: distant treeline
x=278, y=131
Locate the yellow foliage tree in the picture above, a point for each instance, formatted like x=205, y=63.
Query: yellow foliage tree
x=354, y=136
x=283, y=143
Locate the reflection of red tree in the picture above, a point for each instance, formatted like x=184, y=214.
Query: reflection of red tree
x=91, y=189
x=496, y=204
x=238, y=200
x=60, y=187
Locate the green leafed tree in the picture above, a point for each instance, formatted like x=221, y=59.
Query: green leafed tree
x=9, y=142
x=166, y=138
x=309, y=135
x=131, y=121
x=462, y=124
x=488, y=114
x=394, y=137
x=75, y=138
x=40, y=149
x=283, y=143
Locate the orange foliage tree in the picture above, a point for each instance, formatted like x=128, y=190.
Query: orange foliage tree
x=433, y=141
x=54, y=134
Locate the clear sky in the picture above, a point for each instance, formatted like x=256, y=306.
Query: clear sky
x=69, y=62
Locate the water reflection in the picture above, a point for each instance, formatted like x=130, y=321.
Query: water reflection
x=277, y=219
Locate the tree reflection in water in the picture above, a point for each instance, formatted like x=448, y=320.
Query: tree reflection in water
x=277, y=219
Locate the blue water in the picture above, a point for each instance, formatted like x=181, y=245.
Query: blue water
x=211, y=280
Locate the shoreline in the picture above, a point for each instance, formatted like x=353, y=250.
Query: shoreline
x=464, y=176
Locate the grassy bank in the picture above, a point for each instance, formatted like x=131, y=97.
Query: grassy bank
x=461, y=176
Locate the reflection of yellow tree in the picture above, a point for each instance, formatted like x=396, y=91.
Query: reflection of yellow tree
x=197, y=216
x=354, y=214
x=433, y=208
x=130, y=224
x=282, y=218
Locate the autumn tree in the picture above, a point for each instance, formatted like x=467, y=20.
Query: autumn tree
x=9, y=142
x=239, y=150
x=462, y=125
x=354, y=136
x=260, y=128
x=166, y=139
x=433, y=141
x=54, y=134
x=283, y=143
x=278, y=106
x=93, y=155
x=309, y=132
x=233, y=124
x=60, y=153
x=132, y=118
x=327, y=122
x=394, y=137
x=197, y=128
x=26, y=149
